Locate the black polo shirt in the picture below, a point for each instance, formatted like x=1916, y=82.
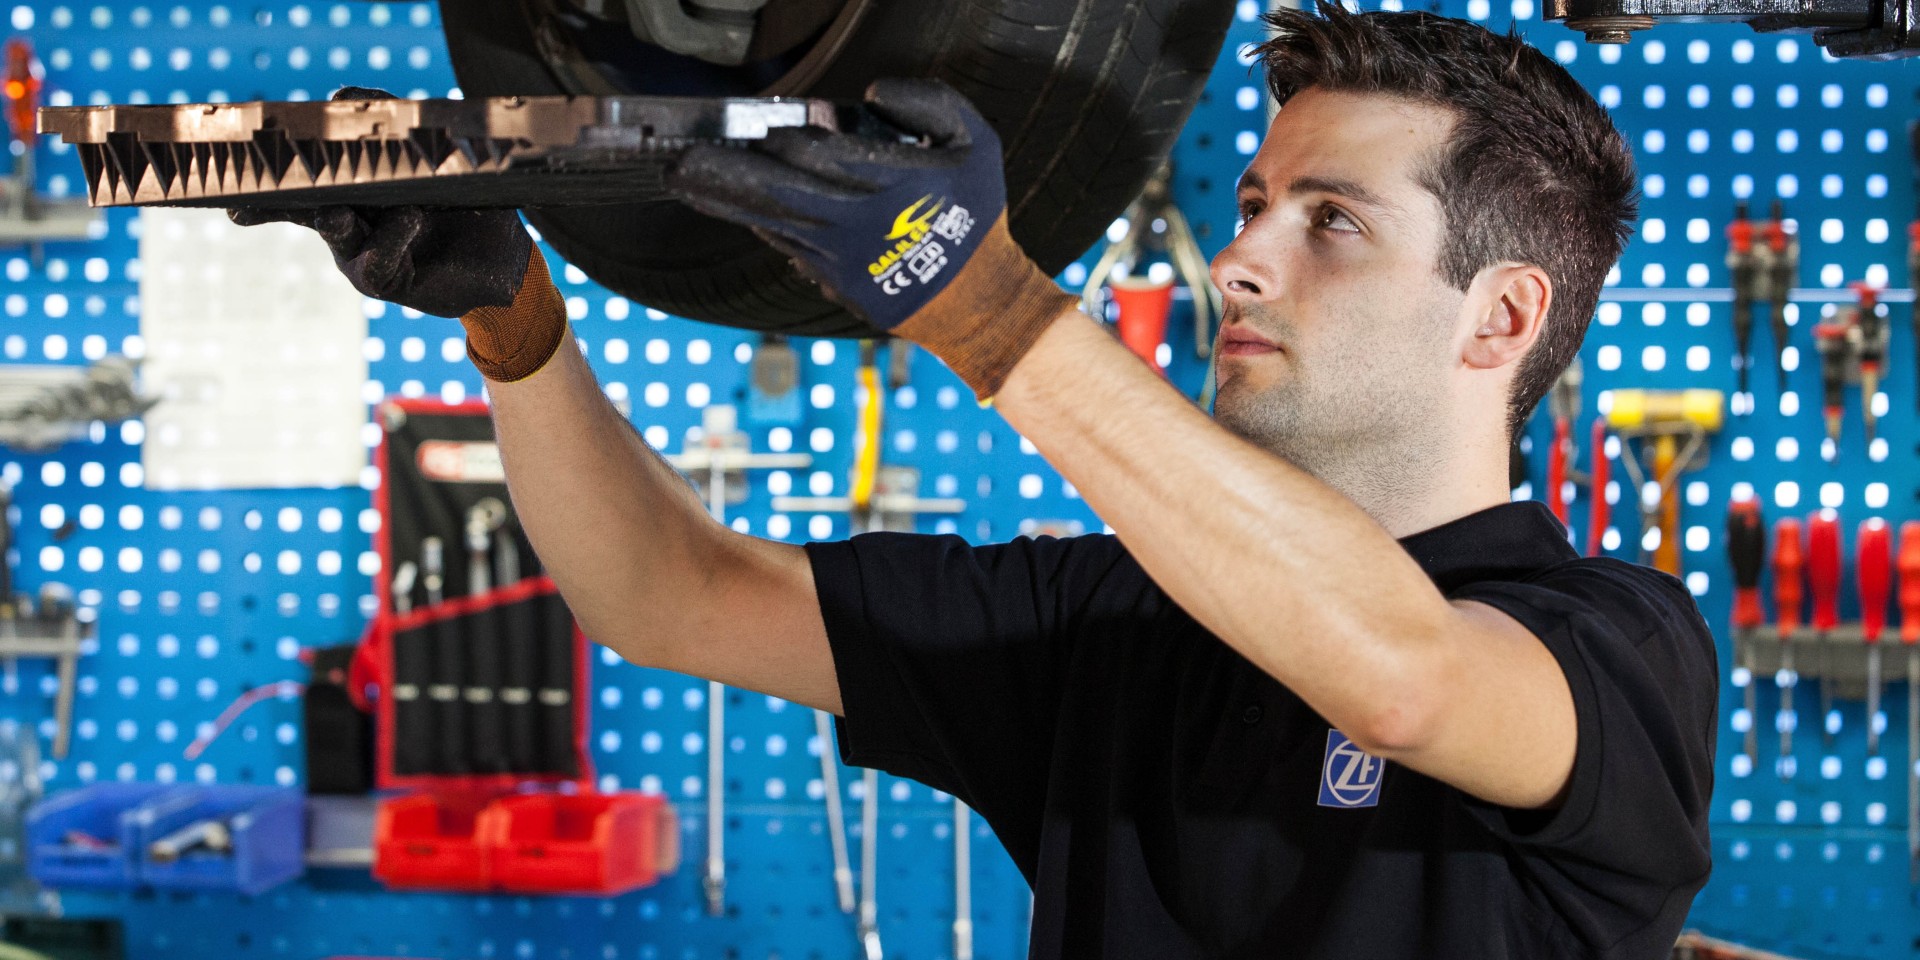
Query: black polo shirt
x=1167, y=799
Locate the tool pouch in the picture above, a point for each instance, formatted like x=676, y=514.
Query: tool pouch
x=480, y=672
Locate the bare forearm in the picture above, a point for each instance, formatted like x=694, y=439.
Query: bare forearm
x=1278, y=565
x=622, y=534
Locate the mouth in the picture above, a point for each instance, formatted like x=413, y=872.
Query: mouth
x=1238, y=341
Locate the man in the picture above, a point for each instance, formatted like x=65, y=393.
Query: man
x=1254, y=724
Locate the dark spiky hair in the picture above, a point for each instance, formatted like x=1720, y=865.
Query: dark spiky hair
x=1534, y=171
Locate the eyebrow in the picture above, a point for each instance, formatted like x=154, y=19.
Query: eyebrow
x=1251, y=180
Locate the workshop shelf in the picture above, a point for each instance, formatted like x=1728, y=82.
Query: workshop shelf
x=575, y=843
x=430, y=842
x=86, y=837
x=265, y=845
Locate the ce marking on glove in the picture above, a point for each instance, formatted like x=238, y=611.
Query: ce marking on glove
x=1349, y=777
x=916, y=253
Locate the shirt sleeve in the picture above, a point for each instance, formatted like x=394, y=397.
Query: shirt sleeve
x=950, y=657
x=1629, y=843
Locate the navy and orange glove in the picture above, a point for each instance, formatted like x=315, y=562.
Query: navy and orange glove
x=910, y=237
x=478, y=265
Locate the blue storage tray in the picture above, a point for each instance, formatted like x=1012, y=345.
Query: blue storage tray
x=269, y=830
x=105, y=811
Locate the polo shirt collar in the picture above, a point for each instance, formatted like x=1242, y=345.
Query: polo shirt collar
x=1504, y=542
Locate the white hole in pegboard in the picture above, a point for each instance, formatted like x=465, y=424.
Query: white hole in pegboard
x=1653, y=314
x=1833, y=495
x=821, y=396
x=1876, y=186
x=1653, y=230
x=1876, y=275
x=1789, y=403
x=1876, y=141
x=1831, y=185
x=1565, y=51
x=1609, y=314
x=1653, y=275
x=1742, y=186
x=1785, y=811
x=1653, y=96
x=1610, y=54
x=820, y=440
x=1786, y=141
x=1697, y=185
x=1698, y=141
x=1699, y=358
x=822, y=352
x=820, y=527
x=1876, y=813
x=1609, y=94
x=1742, y=94
x=1787, y=185
x=1699, y=314
x=1653, y=357
x=1877, y=450
x=1653, y=141
x=1786, y=494
x=1831, y=141
x=1786, y=450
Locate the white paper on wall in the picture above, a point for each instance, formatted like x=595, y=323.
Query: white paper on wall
x=254, y=343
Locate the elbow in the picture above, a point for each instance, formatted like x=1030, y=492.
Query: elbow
x=1407, y=716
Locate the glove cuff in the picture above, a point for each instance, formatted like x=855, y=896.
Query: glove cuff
x=513, y=342
x=990, y=314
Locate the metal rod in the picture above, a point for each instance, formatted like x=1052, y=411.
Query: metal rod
x=836, y=817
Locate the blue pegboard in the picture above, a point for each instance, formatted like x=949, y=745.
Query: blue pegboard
x=200, y=596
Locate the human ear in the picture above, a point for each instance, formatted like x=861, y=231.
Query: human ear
x=1507, y=307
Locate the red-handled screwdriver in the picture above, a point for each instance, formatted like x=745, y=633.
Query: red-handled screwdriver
x=1789, y=592
x=1747, y=550
x=1598, y=510
x=1823, y=579
x=1910, y=638
x=1872, y=570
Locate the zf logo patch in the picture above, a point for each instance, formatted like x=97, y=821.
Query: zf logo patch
x=1349, y=777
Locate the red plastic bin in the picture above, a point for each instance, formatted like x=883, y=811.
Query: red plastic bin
x=431, y=842
x=580, y=843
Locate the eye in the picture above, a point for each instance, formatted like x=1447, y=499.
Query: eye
x=1335, y=219
x=1249, y=209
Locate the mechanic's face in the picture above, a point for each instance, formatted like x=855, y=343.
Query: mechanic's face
x=1339, y=334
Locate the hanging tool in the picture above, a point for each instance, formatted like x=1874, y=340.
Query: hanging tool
x=1675, y=425
x=1747, y=552
x=433, y=566
x=1780, y=265
x=1141, y=305
x=1743, y=266
x=1910, y=639
x=211, y=835
x=836, y=818
x=1563, y=402
x=1154, y=222
x=773, y=383
x=1599, y=512
x=1913, y=237
x=1874, y=579
x=1789, y=592
x=880, y=498
x=22, y=88
x=1867, y=339
x=1830, y=337
x=962, y=881
x=1823, y=580
x=721, y=457
x=484, y=651
x=866, y=476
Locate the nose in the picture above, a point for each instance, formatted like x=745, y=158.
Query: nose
x=1238, y=273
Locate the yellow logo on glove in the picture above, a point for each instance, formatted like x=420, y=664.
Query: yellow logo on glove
x=910, y=226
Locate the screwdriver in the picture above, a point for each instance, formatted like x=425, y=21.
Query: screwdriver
x=1874, y=580
x=1782, y=265
x=1831, y=336
x=1598, y=510
x=1910, y=638
x=1743, y=268
x=1747, y=550
x=1823, y=578
x=1564, y=403
x=1868, y=339
x=1789, y=591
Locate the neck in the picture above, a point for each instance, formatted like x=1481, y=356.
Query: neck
x=1411, y=489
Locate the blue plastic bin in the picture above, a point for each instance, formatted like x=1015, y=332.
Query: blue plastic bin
x=103, y=811
x=269, y=830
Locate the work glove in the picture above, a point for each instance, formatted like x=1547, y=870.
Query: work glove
x=910, y=237
x=478, y=265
